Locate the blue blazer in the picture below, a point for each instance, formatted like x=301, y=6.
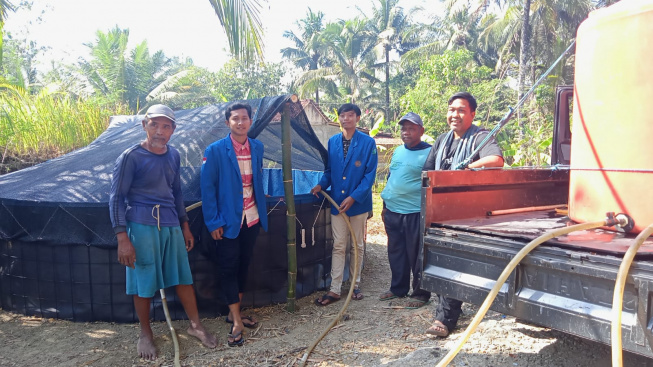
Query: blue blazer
x=222, y=187
x=353, y=176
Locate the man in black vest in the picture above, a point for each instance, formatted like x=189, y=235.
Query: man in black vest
x=449, y=150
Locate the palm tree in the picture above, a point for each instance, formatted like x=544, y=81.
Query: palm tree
x=350, y=44
x=310, y=48
x=393, y=31
x=123, y=75
x=5, y=7
x=523, y=58
x=241, y=22
x=461, y=27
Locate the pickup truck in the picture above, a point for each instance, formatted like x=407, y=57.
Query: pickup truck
x=566, y=283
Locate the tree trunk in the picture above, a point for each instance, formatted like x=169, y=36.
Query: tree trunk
x=387, y=85
x=289, y=197
x=523, y=60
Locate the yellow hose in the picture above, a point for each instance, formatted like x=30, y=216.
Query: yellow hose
x=504, y=276
x=353, y=277
x=617, y=299
x=175, y=342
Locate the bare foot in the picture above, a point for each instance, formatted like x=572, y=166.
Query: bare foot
x=204, y=336
x=145, y=347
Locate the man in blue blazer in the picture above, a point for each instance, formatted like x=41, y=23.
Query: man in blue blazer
x=350, y=171
x=233, y=203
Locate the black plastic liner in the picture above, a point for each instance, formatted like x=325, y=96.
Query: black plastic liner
x=58, y=250
x=86, y=283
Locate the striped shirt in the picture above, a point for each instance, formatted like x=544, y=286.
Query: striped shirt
x=244, y=157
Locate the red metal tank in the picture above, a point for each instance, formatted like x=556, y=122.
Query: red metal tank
x=611, y=153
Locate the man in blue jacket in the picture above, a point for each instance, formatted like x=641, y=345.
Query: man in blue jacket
x=350, y=171
x=233, y=203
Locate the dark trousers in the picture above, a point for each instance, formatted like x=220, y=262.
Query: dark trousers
x=448, y=311
x=403, y=253
x=232, y=256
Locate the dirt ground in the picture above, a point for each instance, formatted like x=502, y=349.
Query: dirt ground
x=373, y=334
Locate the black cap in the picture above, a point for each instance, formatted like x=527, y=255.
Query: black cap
x=412, y=117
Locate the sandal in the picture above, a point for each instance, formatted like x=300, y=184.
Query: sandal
x=387, y=296
x=237, y=342
x=357, y=295
x=252, y=325
x=329, y=299
x=438, y=329
x=415, y=303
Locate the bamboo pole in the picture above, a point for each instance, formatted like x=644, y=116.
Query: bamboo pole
x=289, y=197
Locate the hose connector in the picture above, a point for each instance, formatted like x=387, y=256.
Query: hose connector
x=622, y=221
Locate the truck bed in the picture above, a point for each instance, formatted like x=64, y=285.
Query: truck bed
x=530, y=225
x=565, y=284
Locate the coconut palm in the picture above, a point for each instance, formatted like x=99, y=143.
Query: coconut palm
x=394, y=32
x=241, y=22
x=461, y=26
x=350, y=44
x=310, y=48
x=123, y=75
x=5, y=7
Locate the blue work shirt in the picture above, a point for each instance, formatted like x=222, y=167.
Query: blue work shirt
x=141, y=180
x=352, y=176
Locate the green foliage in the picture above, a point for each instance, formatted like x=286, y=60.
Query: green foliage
x=443, y=75
x=46, y=125
x=235, y=81
x=241, y=22
x=122, y=75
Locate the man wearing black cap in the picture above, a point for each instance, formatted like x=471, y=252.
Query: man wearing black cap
x=401, y=212
x=449, y=150
x=150, y=222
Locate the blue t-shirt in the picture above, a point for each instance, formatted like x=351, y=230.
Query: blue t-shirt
x=141, y=180
x=402, y=193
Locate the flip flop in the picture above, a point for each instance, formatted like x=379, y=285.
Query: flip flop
x=357, y=295
x=438, y=329
x=414, y=303
x=387, y=296
x=326, y=297
x=253, y=324
x=237, y=342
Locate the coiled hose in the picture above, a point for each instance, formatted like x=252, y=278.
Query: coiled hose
x=504, y=276
x=353, y=277
x=617, y=299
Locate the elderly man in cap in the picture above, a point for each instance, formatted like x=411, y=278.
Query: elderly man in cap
x=150, y=222
x=401, y=212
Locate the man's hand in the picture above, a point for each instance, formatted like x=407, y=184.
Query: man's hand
x=189, y=240
x=217, y=234
x=126, y=252
x=315, y=190
x=346, y=204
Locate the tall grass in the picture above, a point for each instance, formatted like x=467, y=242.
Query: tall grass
x=38, y=127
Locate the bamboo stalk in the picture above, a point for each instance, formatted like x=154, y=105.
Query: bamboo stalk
x=289, y=197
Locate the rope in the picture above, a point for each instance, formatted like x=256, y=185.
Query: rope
x=275, y=205
x=157, y=216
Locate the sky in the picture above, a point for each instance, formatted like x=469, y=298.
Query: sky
x=185, y=28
